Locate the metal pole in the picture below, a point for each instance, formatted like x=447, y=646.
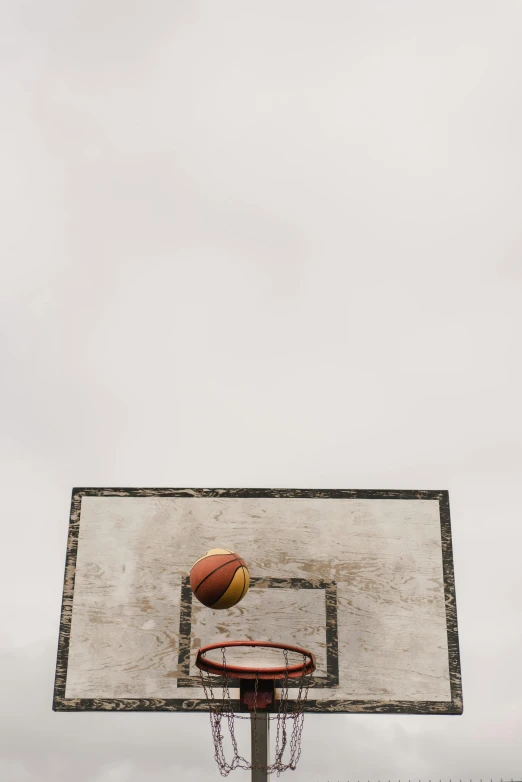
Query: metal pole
x=260, y=743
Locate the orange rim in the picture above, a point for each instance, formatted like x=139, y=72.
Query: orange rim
x=263, y=672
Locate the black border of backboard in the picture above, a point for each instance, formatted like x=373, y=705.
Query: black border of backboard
x=455, y=706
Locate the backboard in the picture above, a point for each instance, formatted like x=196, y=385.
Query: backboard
x=363, y=579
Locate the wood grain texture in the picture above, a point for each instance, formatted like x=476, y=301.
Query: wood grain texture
x=364, y=579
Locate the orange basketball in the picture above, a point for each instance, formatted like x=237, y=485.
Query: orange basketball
x=219, y=579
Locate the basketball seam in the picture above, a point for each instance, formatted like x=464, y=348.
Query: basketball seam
x=209, y=556
x=236, y=558
x=225, y=590
x=244, y=585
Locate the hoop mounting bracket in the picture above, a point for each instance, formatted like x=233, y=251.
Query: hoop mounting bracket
x=250, y=700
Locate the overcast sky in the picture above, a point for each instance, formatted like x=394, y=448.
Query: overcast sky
x=269, y=243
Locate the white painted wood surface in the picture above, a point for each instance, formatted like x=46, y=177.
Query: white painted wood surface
x=385, y=556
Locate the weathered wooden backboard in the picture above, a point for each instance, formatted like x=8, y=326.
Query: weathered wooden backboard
x=364, y=579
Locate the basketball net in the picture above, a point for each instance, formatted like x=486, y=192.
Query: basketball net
x=220, y=709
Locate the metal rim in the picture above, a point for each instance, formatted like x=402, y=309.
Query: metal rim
x=262, y=672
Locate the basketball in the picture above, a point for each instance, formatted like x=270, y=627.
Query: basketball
x=219, y=579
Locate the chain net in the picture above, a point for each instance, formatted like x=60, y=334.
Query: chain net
x=221, y=709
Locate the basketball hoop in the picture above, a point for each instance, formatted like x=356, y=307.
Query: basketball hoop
x=257, y=695
x=268, y=672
